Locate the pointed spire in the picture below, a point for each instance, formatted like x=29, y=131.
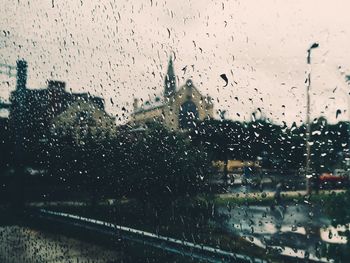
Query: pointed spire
x=170, y=66
x=170, y=80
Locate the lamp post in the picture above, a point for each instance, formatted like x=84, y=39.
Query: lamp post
x=308, y=174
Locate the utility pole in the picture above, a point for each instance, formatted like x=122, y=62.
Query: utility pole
x=308, y=173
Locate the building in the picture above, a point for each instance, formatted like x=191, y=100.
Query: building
x=33, y=110
x=84, y=119
x=178, y=109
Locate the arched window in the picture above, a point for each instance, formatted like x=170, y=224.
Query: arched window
x=188, y=115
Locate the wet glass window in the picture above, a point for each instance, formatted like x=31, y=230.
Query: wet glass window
x=174, y=131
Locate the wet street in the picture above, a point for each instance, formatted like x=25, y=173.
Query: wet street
x=293, y=230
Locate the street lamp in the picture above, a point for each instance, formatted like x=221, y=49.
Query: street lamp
x=314, y=45
x=308, y=128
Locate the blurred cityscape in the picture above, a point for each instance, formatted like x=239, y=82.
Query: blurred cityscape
x=174, y=169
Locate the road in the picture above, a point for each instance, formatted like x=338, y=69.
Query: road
x=191, y=250
x=296, y=230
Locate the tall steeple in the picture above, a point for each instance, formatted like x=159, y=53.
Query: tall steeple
x=170, y=80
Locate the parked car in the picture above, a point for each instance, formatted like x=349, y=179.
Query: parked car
x=336, y=179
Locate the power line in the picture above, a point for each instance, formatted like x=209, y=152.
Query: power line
x=7, y=70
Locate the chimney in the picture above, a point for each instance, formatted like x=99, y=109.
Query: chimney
x=135, y=104
x=21, y=75
x=56, y=85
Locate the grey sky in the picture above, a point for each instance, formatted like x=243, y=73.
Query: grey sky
x=112, y=48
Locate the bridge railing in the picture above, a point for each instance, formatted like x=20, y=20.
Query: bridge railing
x=199, y=251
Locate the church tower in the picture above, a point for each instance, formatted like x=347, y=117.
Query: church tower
x=170, y=80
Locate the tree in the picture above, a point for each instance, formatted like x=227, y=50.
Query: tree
x=162, y=165
x=220, y=140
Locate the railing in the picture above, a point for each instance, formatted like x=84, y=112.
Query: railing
x=185, y=248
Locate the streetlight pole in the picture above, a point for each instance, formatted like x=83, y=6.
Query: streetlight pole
x=308, y=173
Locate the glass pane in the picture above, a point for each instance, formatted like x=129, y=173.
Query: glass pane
x=174, y=131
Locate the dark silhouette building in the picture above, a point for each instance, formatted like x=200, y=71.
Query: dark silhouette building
x=32, y=110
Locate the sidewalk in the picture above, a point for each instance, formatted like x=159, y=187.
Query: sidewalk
x=270, y=194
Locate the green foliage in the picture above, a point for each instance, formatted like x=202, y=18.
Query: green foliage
x=152, y=164
x=156, y=163
x=161, y=164
x=337, y=207
x=279, y=147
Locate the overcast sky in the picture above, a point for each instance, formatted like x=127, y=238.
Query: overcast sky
x=119, y=49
